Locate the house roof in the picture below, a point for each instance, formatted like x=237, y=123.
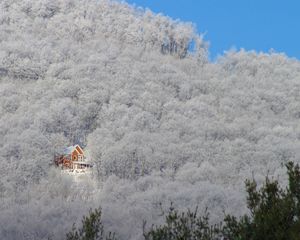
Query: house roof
x=70, y=149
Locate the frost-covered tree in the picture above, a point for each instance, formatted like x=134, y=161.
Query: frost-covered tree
x=159, y=120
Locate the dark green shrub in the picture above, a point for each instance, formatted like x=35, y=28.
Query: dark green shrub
x=92, y=228
x=183, y=226
x=274, y=215
x=274, y=211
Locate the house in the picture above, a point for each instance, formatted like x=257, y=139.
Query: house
x=72, y=158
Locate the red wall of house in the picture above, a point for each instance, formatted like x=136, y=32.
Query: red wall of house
x=74, y=156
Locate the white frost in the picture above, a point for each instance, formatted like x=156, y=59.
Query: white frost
x=161, y=124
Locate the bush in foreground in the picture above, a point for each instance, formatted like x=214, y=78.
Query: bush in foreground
x=274, y=215
x=92, y=228
x=274, y=211
x=184, y=226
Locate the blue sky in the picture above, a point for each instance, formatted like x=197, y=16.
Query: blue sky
x=258, y=25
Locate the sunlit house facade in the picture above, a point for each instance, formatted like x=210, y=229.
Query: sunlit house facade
x=72, y=158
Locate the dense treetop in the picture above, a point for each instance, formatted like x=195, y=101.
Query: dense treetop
x=136, y=90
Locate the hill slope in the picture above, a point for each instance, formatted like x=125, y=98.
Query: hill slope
x=161, y=122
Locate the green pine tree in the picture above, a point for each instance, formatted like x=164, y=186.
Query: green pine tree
x=274, y=211
x=92, y=228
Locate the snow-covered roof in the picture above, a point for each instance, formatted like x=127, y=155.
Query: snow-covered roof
x=70, y=149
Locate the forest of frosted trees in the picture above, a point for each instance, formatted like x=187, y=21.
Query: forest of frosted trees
x=136, y=89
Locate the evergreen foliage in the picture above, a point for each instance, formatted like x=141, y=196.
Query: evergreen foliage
x=274, y=215
x=274, y=211
x=92, y=228
x=185, y=225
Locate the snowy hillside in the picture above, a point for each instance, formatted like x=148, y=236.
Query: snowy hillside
x=161, y=122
